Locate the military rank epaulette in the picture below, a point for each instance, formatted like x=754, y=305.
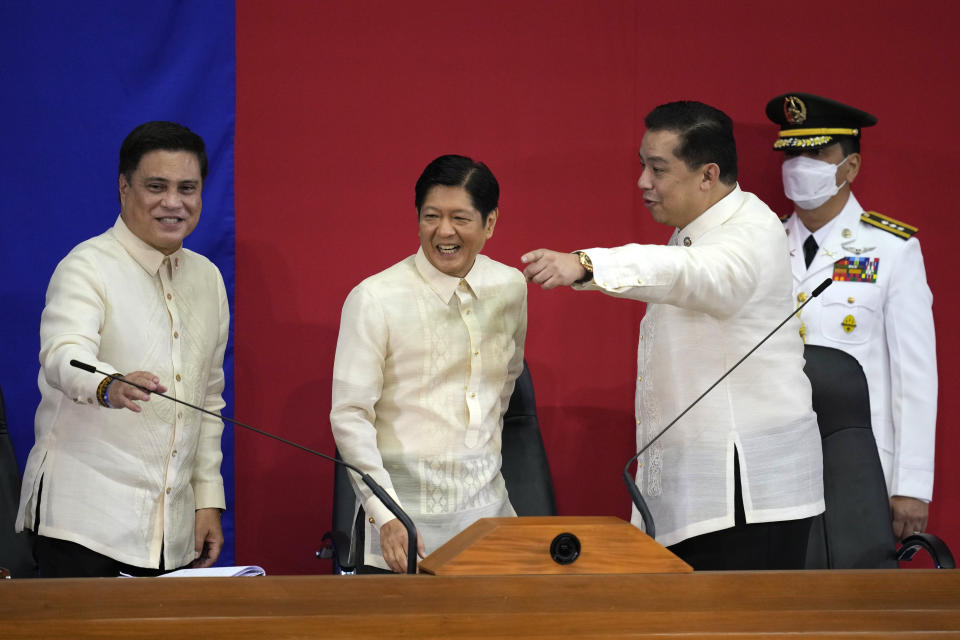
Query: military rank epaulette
x=897, y=228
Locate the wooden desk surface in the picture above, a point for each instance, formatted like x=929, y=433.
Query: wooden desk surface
x=804, y=604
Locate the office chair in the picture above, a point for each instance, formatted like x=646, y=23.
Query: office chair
x=16, y=553
x=855, y=531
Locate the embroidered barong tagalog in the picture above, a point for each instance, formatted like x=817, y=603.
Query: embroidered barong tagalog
x=859, y=269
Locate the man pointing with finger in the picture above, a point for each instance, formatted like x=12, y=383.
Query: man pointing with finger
x=734, y=484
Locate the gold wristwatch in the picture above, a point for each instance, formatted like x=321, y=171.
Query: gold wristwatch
x=587, y=265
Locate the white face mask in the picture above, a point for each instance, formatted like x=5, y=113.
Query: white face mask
x=810, y=183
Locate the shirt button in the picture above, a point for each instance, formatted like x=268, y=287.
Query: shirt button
x=473, y=395
x=476, y=353
x=168, y=490
x=639, y=378
x=468, y=311
x=801, y=297
x=638, y=422
x=169, y=297
x=371, y=520
x=176, y=335
x=639, y=281
x=686, y=241
x=850, y=300
x=178, y=377
x=174, y=454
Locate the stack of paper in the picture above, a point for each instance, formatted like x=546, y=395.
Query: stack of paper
x=216, y=572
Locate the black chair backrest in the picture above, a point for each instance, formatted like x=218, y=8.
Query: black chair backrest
x=525, y=469
x=855, y=531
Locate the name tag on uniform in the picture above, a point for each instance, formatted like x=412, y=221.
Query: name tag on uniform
x=856, y=269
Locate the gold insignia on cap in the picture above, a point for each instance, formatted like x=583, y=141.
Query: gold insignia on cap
x=794, y=110
x=849, y=324
x=846, y=233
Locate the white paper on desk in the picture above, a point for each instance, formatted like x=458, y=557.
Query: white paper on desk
x=216, y=572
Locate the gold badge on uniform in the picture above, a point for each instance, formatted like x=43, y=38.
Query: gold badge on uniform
x=849, y=324
x=794, y=110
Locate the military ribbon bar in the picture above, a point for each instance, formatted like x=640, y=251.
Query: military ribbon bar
x=857, y=269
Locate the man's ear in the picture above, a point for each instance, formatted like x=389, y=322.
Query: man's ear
x=851, y=168
x=122, y=186
x=710, y=176
x=491, y=223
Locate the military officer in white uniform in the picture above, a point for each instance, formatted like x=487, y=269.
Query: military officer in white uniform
x=879, y=307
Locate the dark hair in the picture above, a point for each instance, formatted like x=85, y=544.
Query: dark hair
x=159, y=136
x=706, y=135
x=460, y=171
x=849, y=144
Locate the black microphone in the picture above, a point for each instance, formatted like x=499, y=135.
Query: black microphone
x=628, y=479
x=375, y=487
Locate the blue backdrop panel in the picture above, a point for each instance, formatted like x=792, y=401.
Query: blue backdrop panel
x=77, y=77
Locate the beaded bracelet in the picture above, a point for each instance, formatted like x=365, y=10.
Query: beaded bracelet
x=103, y=392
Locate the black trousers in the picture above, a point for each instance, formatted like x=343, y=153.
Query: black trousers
x=62, y=559
x=762, y=545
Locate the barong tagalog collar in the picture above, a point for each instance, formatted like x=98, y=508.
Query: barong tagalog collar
x=145, y=255
x=442, y=284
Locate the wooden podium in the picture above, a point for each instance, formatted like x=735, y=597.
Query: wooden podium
x=720, y=605
x=551, y=546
